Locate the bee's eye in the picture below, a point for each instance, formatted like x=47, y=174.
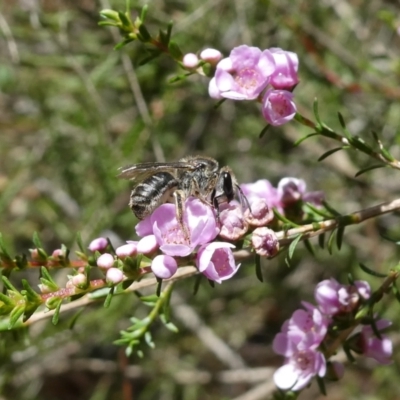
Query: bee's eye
x=228, y=186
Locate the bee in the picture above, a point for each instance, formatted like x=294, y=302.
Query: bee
x=157, y=183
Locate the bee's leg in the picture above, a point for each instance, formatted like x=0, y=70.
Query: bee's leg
x=180, y=198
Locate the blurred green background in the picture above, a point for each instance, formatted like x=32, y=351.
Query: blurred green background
x=73, y=110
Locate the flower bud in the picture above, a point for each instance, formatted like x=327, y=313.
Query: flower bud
x=114, y=276
x=79, y=281
x=164, y=266
x=190, y=60
x=265, y=242
x=58, y=253
x=260, y=214
x=211, y=56
x=105, y=261
x=99, y=244
x=147, y=245
x=127, y=250
x=233, y=225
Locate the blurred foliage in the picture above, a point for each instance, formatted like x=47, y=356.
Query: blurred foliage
x=72, y=110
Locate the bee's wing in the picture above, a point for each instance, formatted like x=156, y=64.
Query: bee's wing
x=140, y=172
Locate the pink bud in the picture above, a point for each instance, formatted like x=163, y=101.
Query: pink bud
x=99, y=244
x=260, y=214
x=211, y=56
x=105, y=261
x=114, y=276
x=265, y=242
x=190, y=60
x=79, y=280
x=45, y=289
x=127, y=250
x=147, y=245
x=233, y=225
x=57, y=253
x=34, y=254
x=164, y=266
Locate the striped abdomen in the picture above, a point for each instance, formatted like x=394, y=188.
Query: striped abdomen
x=151, y=193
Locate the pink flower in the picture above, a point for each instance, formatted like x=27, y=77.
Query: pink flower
x=265, y=242
x=300, y=368
x=79, y=280
x=105, y=261
x=334, y=298
x=291, y=190
x=285, y=74
x=243, y=75
x=261, y=189
x=233, y=224
x=215, y=260
x=164, y=267
x=371, y=346
x=190, y=60
x=298, y=342
x=199, y=227
x=278, y=107
x=99, y=244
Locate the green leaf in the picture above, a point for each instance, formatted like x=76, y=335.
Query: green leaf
x=143, y=12
x=175, y=50
x=21, y=261
x=36, y=240
x=8, y=284
x=331, y=151
x=150, y=57
x=79, y=242
x=309, y=247
x=259, y=274
x=301, y=140
x=330, y=242
x=264, y=131
x=123, y=43
x=169, y=32
x=316, y=111
x=15, y=315
x=395, y=291
x=321, y=240
x=180, y=77
x=321, y=385
x=166, y=311
x=376, y=137
x=74, y=319
x=360, y=144
x=341, y=120
x=148, y=339
x=30, y=294
x=293, y=245
x=56, y=315
x=144, y=34
x=385, y=153
x=44, y=272
x=3, y=252
x=339, y=237
x=109, y=297
x=331, y=209
x=371, y=272
x=124, y=19
x=318, y=211
x=197, y=282
x=7, y=301
x=369, y=169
